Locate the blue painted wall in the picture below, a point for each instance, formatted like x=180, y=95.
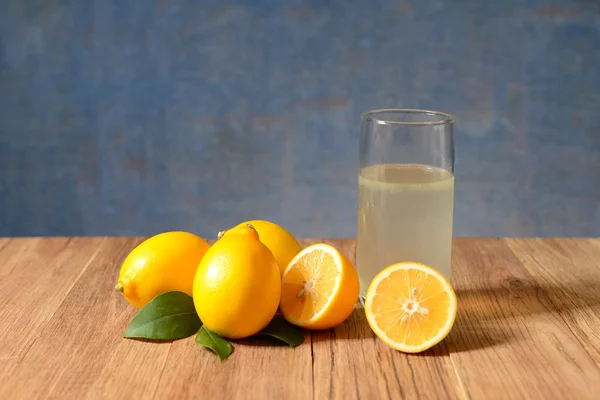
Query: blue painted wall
x=134, y=117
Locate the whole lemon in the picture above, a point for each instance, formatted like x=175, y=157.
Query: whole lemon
x=162, y=263
x=237, y=286
x=282, y=243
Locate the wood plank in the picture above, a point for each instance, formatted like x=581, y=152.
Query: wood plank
x=350, y=362
x=80, y=352
x=508, y=341
x=526, y=328
x=253, y=371
x=569, y=272
x=35, y=276
x=11, y=251
x=16, y=252
x=3, y=243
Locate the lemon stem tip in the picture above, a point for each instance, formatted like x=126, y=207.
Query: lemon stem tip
x=250, y=226
x=220, y=234
x=119, y=287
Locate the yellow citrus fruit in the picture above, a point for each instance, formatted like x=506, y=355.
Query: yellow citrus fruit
x=282, y=244
x=162, y=263
x=319, y=288
x=237, y=285
x=410, y=306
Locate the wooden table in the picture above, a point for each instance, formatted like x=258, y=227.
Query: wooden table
x=528, y=326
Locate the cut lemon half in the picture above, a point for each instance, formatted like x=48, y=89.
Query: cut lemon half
x=410, y=306
x=319, y=288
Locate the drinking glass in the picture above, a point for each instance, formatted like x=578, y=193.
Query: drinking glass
x=405, y=190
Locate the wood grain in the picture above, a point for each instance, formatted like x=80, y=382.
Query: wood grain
x=35, y=277
x=80, y=352
x=508, y=341
x=254, y=370
x=569, y=272
x=527, y=327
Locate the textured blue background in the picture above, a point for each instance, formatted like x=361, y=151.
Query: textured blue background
x=134, y=117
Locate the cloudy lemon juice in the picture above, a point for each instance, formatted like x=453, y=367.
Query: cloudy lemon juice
x=404, y=214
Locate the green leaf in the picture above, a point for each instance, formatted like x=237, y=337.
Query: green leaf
x=214, y=342
x=280, y=329
x=168, y=316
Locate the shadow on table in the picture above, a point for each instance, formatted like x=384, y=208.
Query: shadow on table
x=260, y=341
x=521, y=298
x=487, y=317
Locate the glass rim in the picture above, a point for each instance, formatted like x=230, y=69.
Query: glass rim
x=371, y=115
